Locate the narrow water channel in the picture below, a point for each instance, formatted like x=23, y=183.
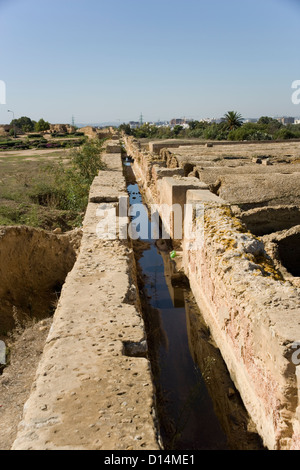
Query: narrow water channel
x=197, y=405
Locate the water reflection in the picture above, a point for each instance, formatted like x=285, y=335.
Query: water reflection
x=188, y=420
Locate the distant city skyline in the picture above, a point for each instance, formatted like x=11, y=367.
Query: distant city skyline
x=105, y=61
x=168, y=121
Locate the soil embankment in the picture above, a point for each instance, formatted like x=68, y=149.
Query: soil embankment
x=33, y=268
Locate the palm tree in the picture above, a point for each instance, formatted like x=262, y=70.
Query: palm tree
x=233, y=120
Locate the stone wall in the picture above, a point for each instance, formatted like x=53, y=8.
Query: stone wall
x=252, y=315
x=94, y=133
x=156, y=146
x=62, y=128
x=93, y=388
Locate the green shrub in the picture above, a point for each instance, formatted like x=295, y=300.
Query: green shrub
x=46, y=194
x=286, y=133
x=35, y=136
x=211, y=132
x=9, y=215
x=197, y=133
x=67, y=187
x=248, y=132
x=86, y=161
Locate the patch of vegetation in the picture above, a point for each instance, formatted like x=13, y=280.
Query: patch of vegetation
x=68, y=186
x=45, y=194
x=67, y=135
x=39, y=142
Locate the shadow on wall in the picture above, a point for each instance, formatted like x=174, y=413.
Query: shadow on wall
x=33, y=268
x=289, y=253
x=266, y=220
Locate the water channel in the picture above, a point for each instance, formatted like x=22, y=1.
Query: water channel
x=198, y=406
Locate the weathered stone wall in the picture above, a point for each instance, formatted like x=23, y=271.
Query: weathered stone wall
x=266, y=220
x=252, y=315
x=4, y=130
x=175, y=143
x=210, y=175
x=63, y=128
x=260, y=190
x=93, y=388
x=94, y=133
x=252, y=311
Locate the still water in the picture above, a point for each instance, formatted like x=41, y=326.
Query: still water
x=187, y=417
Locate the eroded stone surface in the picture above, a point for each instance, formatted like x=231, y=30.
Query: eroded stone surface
x=88, y=394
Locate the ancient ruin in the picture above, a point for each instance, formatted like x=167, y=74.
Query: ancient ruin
x=94, y=384
x=245, y=274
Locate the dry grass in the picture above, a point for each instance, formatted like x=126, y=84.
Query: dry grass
x=20, y=173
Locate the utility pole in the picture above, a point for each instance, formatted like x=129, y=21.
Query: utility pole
x=9, y=111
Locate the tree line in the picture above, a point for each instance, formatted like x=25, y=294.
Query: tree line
x=231, y=127
x=24, y=124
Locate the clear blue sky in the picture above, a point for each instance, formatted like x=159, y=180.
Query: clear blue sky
x=111, y=60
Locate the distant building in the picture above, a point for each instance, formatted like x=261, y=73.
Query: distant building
x=297, y=121
x=211, y=120
x=161, y=123
x=177, y=122
x=286, y=120
x=134, y=124
x=252, y=120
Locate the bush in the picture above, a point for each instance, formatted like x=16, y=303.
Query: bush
x=9, y=215
x=41, y=145
x=248, y=132
x=42, y=125
x=87, y=161
x=34, y=136
x=211, y=132
x=67, y=188
x=196, y=133
x=286, y=133
x=10, y=143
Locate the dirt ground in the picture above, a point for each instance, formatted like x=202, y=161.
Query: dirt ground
x=25, y=342
x=26, y=346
